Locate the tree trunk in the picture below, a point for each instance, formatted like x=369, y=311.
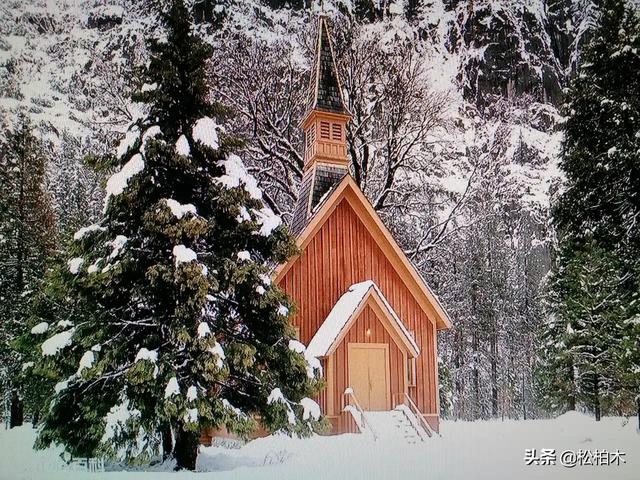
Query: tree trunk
x=35, y=418
x=167, y=441
x=17, y=410
x=185, y=450
x=596, y=399
x=494, y=372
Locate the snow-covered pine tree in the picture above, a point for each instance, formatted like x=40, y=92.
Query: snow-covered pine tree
x=580, y=359
x=27, y=239
x=601, y=159
x=594, y=280
x=174, y=324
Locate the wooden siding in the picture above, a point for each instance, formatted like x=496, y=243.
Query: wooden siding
x=340, y=254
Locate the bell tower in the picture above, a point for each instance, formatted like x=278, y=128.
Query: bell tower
x=325, y=122
x=325, y=127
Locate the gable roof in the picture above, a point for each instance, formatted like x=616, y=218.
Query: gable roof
x=324, y=90
x=316, y=186
x=346, y=311
x=348, y=190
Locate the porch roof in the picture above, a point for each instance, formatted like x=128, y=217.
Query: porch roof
x=345, y=312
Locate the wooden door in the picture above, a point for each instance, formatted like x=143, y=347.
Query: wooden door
x=369, y=375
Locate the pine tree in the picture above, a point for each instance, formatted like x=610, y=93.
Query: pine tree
x=601, y=157
x=172, y=323
x=27, y=239
x=595, y=282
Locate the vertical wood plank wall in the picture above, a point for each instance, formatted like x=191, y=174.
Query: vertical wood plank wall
x=343, y=253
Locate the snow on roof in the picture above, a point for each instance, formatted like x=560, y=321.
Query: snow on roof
x=343, y=311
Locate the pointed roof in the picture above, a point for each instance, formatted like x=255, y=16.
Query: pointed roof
x=325, y=92
x=346, y=311
x=348, y=190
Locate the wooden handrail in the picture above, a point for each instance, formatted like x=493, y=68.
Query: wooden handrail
x=416, y=412
x=363, y=418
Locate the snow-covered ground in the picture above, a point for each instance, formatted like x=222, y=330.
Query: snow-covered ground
x=477, y=450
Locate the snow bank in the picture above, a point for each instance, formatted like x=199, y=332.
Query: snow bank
x=483, y=450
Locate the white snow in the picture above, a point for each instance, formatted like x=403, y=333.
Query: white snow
x=149, y=134
x=276, y=396
x=282, y=310
x=244, y=215
x=260, y=290
x=183, y=254
x=27, y=365
x=192, y=393
x=310, y=409
x=75, y=264
x=296, y=346
x=54, y=344
x=119, y=181
x=191, y=416
x=86, y=230
x=60, y=386
x=268, y=221
x=179, y=210
x=86, y=361
x=128, y=142
x=203, y=329
x=117, y=244
x=146, y=354
x=266, y=279
x=482, y=450
x=172, y=388
x=149, y=87
x=40, y=328
x=117, y=418
x=612, y=151
x=217, y=350
x=244, y=255
x=204, y=131
x=342, y=312
x=237, y=175
x=182, y=146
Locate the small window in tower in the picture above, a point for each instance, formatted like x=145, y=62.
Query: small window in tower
x=336, y=131
x=411, y=372
x=311, y=136
x=324, y=130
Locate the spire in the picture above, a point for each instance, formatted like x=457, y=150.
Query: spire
x=325, y=93
x=325, y=132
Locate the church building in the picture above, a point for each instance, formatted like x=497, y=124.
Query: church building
x=362, y=308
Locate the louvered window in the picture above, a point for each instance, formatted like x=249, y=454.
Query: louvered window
x=324, y=130
x=311, y=136
x=336, y=131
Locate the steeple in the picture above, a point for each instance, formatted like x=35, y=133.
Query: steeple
x=325, y=122
x=324, y=125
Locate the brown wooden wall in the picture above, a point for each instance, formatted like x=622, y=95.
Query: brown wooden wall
x=343, y=253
